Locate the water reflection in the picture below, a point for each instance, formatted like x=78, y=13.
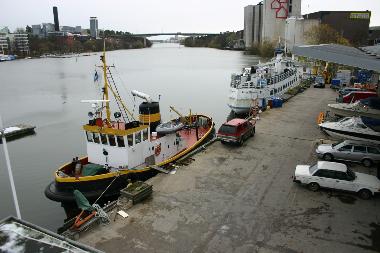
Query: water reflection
x=48, y=95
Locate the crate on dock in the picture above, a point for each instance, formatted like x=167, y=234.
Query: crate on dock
x=137, y=191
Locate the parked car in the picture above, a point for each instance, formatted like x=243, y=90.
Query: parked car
x=355, y=151
x=354, y=96
x=336, y=176
x=236, y=130
x=319, y=82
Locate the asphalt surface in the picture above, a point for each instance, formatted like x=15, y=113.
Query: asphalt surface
x=242, y=199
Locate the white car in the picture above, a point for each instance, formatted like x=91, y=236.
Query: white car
x=336, y=176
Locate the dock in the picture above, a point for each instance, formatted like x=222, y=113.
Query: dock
x=242, y=199
x=17, y=131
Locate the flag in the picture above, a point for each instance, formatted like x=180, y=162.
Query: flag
x=96, y=76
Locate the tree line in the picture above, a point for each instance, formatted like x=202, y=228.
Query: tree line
x=62, y=45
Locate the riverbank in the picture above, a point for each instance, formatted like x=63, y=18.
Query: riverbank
x=242, y=199
x=71, y=45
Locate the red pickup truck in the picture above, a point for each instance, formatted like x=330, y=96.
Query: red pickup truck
x=236, y=130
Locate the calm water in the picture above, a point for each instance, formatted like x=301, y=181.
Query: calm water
x=47, y=93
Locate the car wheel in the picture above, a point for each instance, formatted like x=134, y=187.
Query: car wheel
x=365, y=194
x=367, y=162
x=313, y=187
x=223, y=142
x=252, y=132
x=241, y=141
x=328, y=157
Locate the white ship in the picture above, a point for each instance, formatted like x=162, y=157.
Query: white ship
x=258, y=83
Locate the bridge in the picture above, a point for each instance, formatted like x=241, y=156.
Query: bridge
x=175, y=33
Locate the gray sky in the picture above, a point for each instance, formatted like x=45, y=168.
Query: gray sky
x=157, y=16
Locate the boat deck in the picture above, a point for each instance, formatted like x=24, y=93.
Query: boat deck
x=190, y=135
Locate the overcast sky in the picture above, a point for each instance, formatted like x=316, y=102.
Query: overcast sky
x=157, y=16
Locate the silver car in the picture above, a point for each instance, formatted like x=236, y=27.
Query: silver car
x=355, y=151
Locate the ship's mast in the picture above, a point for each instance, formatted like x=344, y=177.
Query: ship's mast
x=103, y=58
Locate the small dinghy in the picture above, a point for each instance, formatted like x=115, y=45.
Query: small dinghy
x=169, y=127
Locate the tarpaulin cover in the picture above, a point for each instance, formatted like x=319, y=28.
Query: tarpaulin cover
x=92, y=169
x=82, y=202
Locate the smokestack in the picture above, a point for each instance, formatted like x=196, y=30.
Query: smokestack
x=56, y=21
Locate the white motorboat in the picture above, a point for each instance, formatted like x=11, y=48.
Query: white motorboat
x=369, y=107
x=353, y=128
x=257, y=83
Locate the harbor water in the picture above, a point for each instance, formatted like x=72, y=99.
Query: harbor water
x=47, y=93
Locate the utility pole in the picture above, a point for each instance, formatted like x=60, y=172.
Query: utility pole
x=15, y=201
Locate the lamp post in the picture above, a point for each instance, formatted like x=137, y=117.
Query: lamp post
x=15, y=201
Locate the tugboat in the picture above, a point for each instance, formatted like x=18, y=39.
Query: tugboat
x=120, y=148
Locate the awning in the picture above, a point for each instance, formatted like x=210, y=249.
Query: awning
x=340, y=54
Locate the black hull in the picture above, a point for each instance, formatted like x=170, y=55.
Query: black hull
x=63, y=192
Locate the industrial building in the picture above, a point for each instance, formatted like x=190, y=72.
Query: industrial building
x=271, y=20
x=94, y=32
x=352, y=25
x=295, y=30
x=374, y=35
x=266, y=21
x=253, y=23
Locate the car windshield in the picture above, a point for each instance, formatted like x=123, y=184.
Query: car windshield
x=313, y=168
x=336, y=143
x=351, y=174
x=226, y=129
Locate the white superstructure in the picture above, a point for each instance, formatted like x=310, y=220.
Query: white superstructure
x=258, y=83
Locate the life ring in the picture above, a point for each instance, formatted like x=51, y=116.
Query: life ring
x=157, y=149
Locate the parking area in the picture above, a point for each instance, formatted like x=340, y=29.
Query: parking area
x=242, y=199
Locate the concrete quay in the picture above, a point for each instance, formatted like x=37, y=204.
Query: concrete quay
x=242, y=199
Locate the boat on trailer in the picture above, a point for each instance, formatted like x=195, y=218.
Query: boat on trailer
x=120, y=148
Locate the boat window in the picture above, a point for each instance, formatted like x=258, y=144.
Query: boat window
x=111, y=140
x=145, y=134
x=130, y=140
x=120, y=141
x=361, y=125
x=96, y=137
x=137, y=137
x=103, y=138
x=360, y=149
x=89, y=137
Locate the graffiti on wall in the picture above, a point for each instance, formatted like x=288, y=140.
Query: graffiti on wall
x=281, y=8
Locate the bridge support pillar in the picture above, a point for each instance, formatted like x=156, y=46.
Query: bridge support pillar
x=144, y=41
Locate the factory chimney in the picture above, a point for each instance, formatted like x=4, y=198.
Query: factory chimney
x=56, y=21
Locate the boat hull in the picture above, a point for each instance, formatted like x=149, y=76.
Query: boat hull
x=344, y=111
x=344, y=135
x=63, y=191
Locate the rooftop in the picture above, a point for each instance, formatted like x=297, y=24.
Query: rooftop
x=344, y=55
x=332, y=166
x=235, y=122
